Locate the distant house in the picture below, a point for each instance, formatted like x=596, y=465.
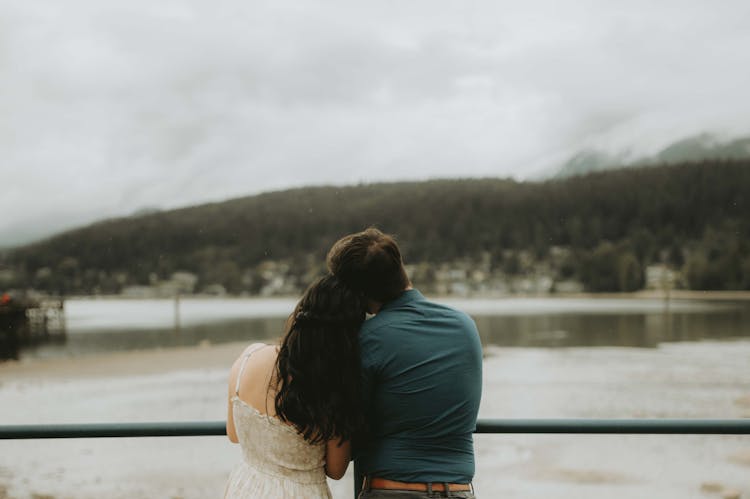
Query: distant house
x=568, y=286
x=138, y=292
x=214, y=290
x=179, y=283
x=660, y=276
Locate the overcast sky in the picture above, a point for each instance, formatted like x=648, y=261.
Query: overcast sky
x=111, y=106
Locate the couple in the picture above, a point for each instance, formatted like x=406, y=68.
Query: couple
x=403, y=386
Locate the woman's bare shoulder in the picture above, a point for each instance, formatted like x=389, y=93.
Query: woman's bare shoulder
x=252, y=350
x=254, y=347
x=258, y=354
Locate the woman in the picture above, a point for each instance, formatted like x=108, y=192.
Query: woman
x=294, y=408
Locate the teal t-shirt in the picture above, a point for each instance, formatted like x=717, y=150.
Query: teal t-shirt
x=422, y=382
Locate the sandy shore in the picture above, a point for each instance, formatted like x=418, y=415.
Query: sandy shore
x=145, y=362
x=702, y=379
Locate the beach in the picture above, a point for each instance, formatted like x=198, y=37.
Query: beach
x=697, y=379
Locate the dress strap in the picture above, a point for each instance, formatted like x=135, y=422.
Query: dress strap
x=251, y=350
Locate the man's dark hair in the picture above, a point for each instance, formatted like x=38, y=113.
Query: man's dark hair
x=369, y=262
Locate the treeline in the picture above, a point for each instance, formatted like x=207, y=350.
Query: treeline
x=693, y=218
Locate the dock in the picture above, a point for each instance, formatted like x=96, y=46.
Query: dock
x=27, y=321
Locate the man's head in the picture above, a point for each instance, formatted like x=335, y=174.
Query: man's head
x=369, y=262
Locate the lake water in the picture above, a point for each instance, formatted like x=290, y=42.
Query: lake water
x=95, y=326
x=544, y=358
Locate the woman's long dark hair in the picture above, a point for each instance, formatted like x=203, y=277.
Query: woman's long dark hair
x=318, y=366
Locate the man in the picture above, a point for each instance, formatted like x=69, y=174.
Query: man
x=421, y=375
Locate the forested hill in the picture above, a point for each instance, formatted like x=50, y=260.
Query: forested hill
x=608, y=226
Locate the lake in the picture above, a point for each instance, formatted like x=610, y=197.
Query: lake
x=104, y=325
x=130, y=360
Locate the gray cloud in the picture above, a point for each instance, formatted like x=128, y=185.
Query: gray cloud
x=107, y=107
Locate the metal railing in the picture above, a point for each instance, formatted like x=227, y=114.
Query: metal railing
x=213, y=428
x=569, y=426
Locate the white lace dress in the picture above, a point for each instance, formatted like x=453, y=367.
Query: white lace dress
x=277, y=461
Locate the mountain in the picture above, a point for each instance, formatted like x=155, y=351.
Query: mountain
x=603, y=229
x=698, y=148
x=703, y=147
x=591, y=161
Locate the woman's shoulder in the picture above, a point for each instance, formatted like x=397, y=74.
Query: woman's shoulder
x=249, y=354
x=255, y=360
x=251, y=349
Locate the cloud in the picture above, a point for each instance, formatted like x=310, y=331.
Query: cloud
x=106, y=107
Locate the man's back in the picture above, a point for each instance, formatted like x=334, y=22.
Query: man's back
x=422, y=372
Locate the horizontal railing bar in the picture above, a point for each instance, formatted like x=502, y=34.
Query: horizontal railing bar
x=617, y=426
x=570, y=426
x=104, y=430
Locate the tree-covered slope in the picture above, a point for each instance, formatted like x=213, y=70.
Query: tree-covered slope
x=693, y=217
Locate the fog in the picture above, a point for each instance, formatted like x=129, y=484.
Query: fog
x=107, y=108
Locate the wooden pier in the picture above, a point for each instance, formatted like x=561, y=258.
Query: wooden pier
x=27, y=321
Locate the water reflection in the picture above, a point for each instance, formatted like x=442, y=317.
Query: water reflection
x=18, y=337
x=103, y=340
x=627, y=330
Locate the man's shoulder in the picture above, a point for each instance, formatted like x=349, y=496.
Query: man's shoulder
x=446, y=310
x=410, y=315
